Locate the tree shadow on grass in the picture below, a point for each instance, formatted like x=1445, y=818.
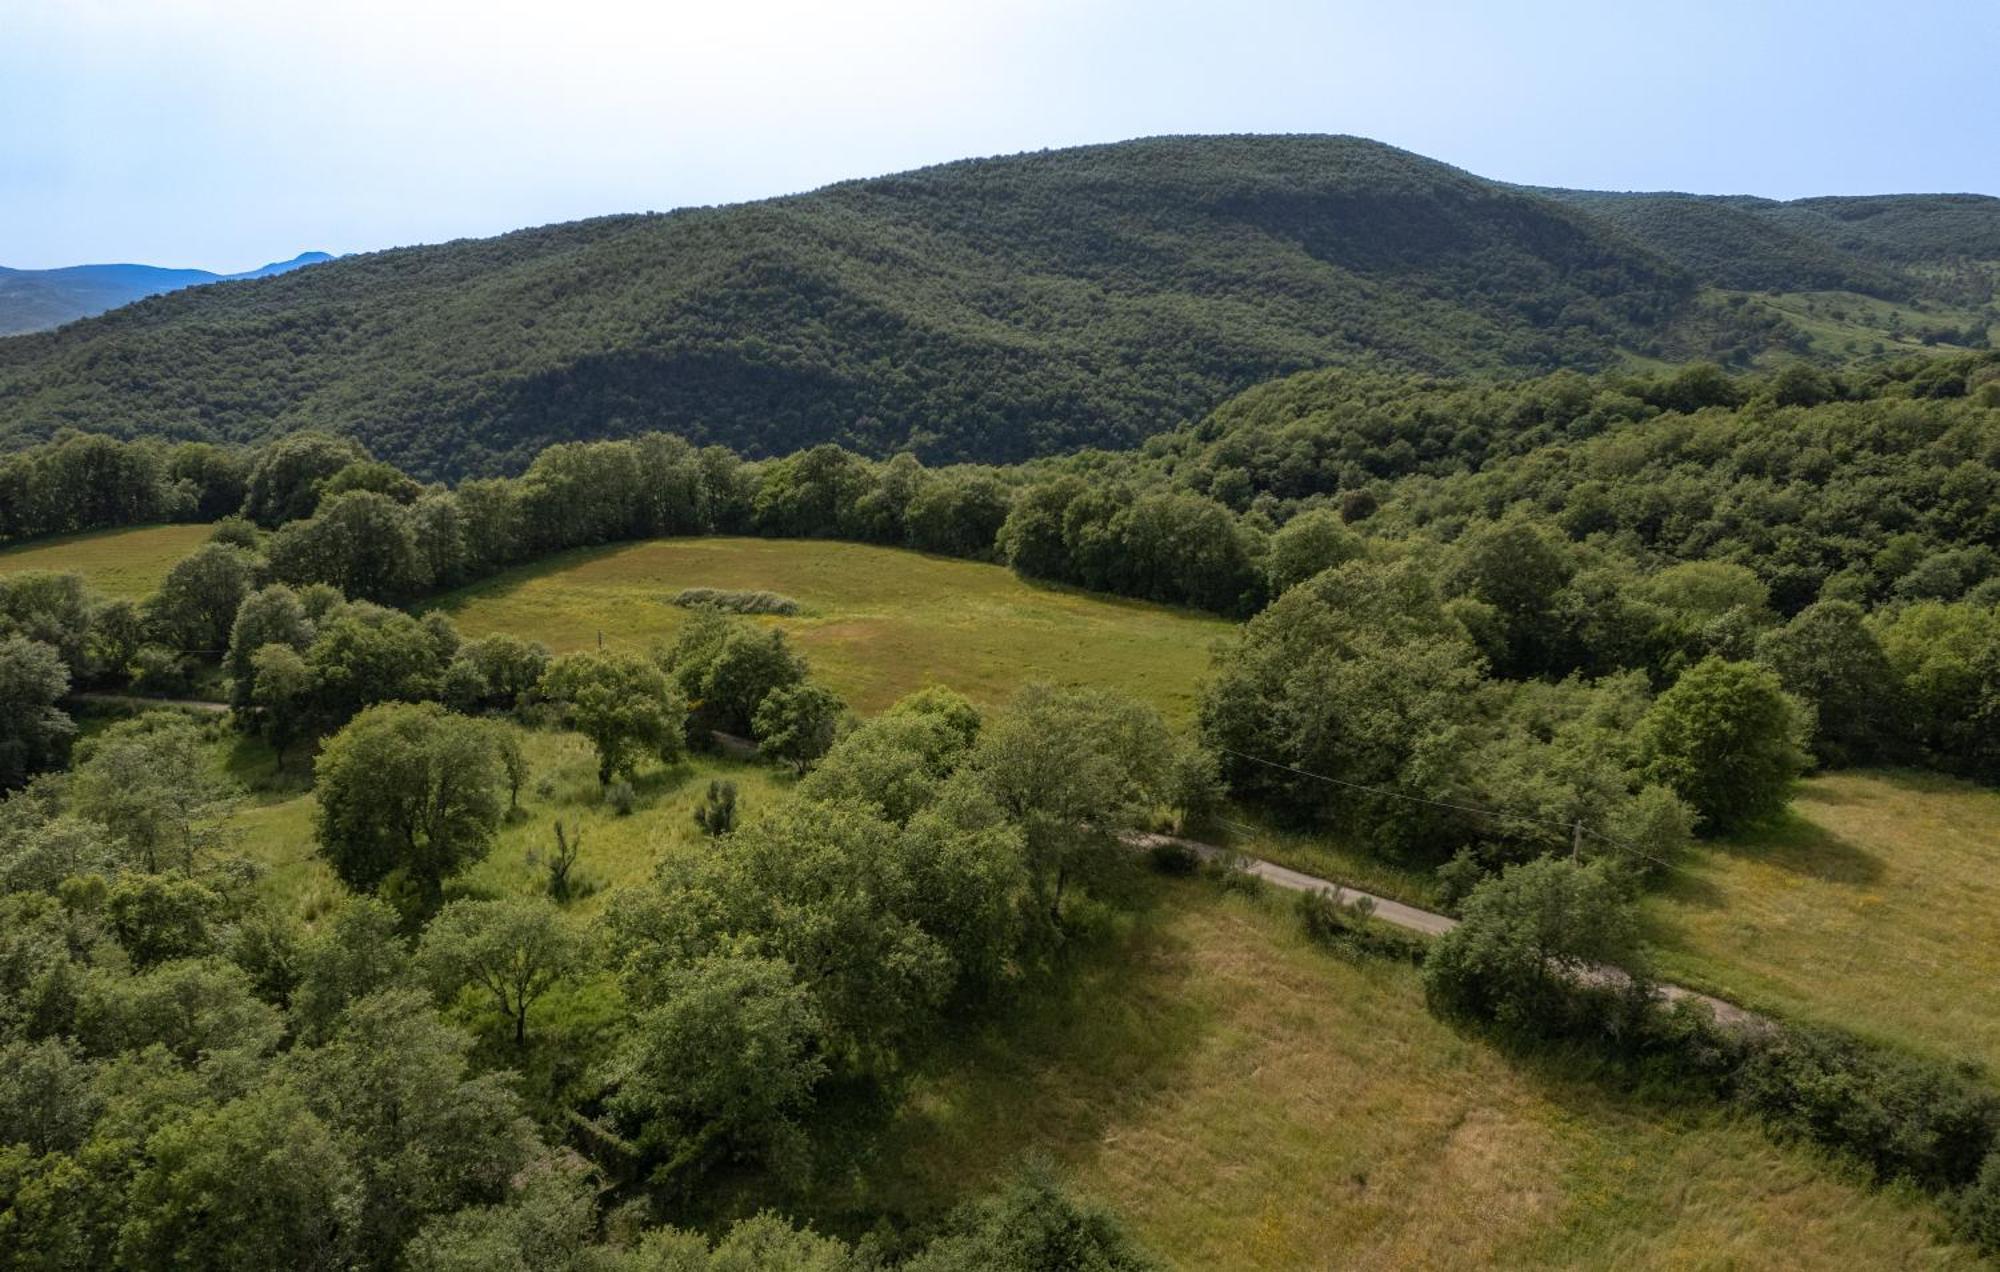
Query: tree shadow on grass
x=250, y=761
x=1048, y=1073
x=1791, y=842
x=1683, y=887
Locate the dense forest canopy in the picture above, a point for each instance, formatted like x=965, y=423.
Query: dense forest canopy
x=986, y=310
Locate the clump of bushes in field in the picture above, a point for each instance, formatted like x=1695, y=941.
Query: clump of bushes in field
x=1341, y=923
x=736, y=602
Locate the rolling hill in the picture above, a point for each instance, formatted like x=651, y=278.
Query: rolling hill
x=40, y=299
x=989, y=309
x=1897, y=247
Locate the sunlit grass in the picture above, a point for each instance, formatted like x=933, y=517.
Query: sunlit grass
x=879, y=622
x=274, y=827
x=129, y=562
x=1246, y=1100
x=1872, y=905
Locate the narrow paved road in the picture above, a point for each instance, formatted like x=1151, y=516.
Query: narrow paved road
x=1424, y=921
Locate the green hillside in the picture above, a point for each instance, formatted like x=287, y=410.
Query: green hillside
x=998, y=309
x=988, y=309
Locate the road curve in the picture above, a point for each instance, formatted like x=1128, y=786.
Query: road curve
x=1415, y=920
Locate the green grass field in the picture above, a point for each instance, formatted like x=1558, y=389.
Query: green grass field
x=1246, y=1100
x=879, y=622
x=128, y=562
x=1870, y=906
x=274, y=825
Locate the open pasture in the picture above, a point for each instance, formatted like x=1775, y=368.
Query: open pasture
x=129, y=562
x=877, y=622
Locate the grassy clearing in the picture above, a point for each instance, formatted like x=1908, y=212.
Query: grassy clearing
x=128, y=562
x=1849, y=323
x=274, y=826
x=879, y=622
x=1871, y=906
x=1247, y=1100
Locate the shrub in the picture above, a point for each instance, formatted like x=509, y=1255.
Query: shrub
x=716, y=815
x=736, y=602
x=1172, y=857
x=1351, y=925
x=621, y=798
x=1233, y=873
x=1978, y=1209
x=1902, y=1115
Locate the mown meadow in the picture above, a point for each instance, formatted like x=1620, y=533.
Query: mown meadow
x=877, y=622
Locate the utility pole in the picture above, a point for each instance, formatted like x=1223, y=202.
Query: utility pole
x=1576, y=840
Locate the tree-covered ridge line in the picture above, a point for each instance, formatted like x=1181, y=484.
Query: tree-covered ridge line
x=986, y=310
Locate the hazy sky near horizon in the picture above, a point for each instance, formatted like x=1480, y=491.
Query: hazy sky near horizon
x=226, y=133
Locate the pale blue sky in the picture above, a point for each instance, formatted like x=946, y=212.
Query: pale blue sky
x=225, y=133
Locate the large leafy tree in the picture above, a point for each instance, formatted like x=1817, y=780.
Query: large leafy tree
x=513, y=950
x=1531, y=945
x=720, y=1062
x=1308, y=543
x=352, y=953
x=285, y=482
x=426, y=1136
x=626, y=707
x=52, y=608
x=259, y=1182
x=1947, y=660
x=33, y=733
x=196, y=604
x=796, y=723
x=825, y=887
x=1728, y=739
x=410, y=789
x=749, y=665
x=269, y=616
x=363, y=654
x=361, y=542
x=1072, y=767
x=1360, y=675
x=151, y=783
x=1830, y=659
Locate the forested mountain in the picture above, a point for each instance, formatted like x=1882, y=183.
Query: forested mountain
x=1897, y=246
x=39, y=299
x=990, y=309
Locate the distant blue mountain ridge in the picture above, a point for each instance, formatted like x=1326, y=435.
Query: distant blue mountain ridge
x=38, y=299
